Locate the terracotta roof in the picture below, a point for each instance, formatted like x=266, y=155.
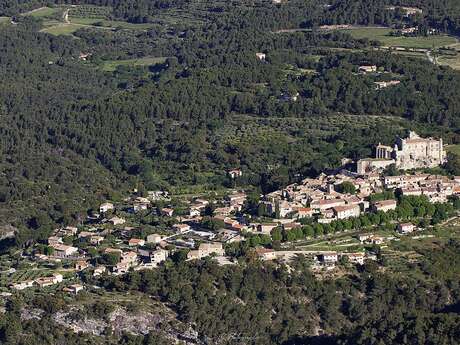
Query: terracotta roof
x=345, y=208
x=385, y=202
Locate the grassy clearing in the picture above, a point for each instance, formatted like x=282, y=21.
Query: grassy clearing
x=98, y=17
x=452, y=61
x=4, y=20
x=410, y=54
x=58, y=28
x=63, y=29
x=42, y=12
x=83, y=16
x=110, y=66
x=85, y=21
x=453, y=148
x=383, y=35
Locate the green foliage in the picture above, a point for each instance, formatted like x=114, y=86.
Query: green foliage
x=452, y=165
x=277, y=234
x=212, y=223
x=346, y=188
x=391, y=170
x=110, y=259
x=203, y=292
x=385, y=195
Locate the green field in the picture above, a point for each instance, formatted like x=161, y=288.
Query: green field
x=450, y=58
x=42, y=12
x=110, y=66
x=383, y=35
x=58, y=28
x=451, y=61
x=419, y=55
x=99, y=17
x=63, y=29
x=4, y=20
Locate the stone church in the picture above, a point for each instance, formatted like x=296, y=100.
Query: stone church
x=412, y=152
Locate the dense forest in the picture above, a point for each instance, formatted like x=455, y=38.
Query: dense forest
x=270, y=303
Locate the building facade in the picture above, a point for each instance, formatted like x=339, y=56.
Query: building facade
x=413, y=152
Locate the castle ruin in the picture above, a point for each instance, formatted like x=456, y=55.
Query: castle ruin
x=412, y=152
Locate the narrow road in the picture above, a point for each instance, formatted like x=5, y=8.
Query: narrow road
x=431, y=58
x=65, y=16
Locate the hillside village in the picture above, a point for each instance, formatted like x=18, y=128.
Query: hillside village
x=112, y=240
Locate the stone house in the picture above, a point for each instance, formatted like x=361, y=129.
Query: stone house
x=406, y=228
x=105, y=207
x=384, y=205
x=347, y=211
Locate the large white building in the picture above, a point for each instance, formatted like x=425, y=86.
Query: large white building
x=412, y=152
x=347, y=211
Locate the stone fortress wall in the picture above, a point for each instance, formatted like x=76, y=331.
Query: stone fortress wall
x=413, y=152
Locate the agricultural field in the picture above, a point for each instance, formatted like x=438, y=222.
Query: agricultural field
x=383, y=35
x=87, y=11
x=62, y=29
x=80, y=16
x=418, y=55
x=99, y=16
x=98, y=23
x=451, y=61
x=244, y=127
x=104, y=23
x=450, y=58
x=57, y=28
x=345, y=244
x=23, y=275
x=111, y=65
x=42, y=12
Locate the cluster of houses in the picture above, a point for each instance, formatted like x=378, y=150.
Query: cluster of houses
x=364, y=69
x=435, y=188
x=207, y=249
x=379, y=85
x=131, y=252
x=320, y=259
x=40, y=282
x=408, y=11
x=46, y=281
x=321, y=197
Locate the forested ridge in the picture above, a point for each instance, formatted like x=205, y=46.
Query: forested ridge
x=267, y=303
x=443, y=14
